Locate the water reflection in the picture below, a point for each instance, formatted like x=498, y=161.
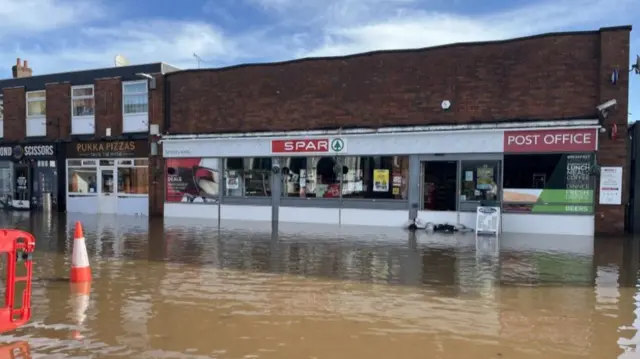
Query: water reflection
x=188, y=289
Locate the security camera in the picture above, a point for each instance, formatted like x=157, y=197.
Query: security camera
x=607, y=105
x=604, y=108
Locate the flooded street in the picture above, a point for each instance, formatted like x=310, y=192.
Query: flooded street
x=191, y=290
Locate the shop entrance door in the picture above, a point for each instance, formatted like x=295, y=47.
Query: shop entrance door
x=107, y=198
x=439, y=180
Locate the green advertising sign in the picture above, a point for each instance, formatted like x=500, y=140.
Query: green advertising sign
x=559, y=208
x=573, y=196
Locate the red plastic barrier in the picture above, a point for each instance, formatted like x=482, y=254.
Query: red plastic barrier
x=18, y=246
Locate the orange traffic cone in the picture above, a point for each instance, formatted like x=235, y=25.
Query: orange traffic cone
x=80, y=269
x=79, y=304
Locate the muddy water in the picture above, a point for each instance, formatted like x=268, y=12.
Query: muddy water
x=191, y=290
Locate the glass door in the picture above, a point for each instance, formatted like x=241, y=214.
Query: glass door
x=439, y=183
x=107, y=197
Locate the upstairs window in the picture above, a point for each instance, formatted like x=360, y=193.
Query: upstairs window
x=135, y=97
x=82, y=101
x=1, y=109
x=36, y=104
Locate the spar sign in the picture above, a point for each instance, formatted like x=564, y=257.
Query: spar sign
x=553, y=140
x=309, y=145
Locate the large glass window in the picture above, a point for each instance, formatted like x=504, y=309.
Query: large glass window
x=548, y=183
x=82, y=101
x=1, y=108
x=248, y=177
x=192, y=180
x=6, y=182
x=82, y=177
x=371, y=177
x=135, y=98
x=36, y=104
x=479, y=184
x=133, y=177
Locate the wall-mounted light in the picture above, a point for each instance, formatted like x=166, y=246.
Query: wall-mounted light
x=152, y=80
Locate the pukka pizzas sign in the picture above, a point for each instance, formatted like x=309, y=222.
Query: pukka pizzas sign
x=556, y=140
x=309, y=145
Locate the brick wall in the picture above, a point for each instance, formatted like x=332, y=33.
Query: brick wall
x=614, y=54
x=539, y=78
x=108, y=110
x=15, y=115
x=108, y=102
x=58, y=110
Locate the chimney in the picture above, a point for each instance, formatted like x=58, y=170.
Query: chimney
x=20, y=69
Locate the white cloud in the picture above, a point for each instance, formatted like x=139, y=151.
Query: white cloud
x=299, y=28
x=396, y=24
x=140, y=41
x=25, y=17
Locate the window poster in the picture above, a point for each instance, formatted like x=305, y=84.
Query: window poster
x=574, y=194
x=380, y=180
x=611, y=185
x=192, y=180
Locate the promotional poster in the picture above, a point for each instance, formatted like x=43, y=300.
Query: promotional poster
x=194, y=180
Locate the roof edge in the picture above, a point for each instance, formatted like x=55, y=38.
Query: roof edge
x=400, y=51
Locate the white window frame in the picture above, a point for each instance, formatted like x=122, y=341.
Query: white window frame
x=124, y=95
x=39, y=98
x=84, y=97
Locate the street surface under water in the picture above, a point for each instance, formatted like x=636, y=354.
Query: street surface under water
x=189, y=289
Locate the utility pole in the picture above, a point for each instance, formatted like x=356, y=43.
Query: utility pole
x=198, y=59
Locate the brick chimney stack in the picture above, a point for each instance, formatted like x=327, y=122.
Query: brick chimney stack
x=21, y=69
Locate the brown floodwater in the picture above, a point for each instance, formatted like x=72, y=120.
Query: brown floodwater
x=191, y=289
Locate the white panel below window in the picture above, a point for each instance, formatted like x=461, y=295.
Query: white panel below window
x=36, y=127
x=83, y=125
x=135, y=122
x=1, y=128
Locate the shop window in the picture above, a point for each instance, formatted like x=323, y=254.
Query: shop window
x=311, y=177
x=548, y=183
x=6, y=175
x=135, y=97
x=132, y=179
x=372, y=177
x=479, y=184
x=248, y=177
x=36, y=104
x=192, y=180
x=82, y=180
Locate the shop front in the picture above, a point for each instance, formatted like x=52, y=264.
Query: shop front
x=108, y=177
x=541, y=176
x=28, y=176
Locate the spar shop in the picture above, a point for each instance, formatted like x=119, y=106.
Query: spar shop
x=541, y=175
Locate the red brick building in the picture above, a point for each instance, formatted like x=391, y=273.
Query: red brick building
x=426, y=135
x=65, y=137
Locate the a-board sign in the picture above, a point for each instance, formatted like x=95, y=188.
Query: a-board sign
x=488, y=220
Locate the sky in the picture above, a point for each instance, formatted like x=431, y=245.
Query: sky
x=66, y=35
